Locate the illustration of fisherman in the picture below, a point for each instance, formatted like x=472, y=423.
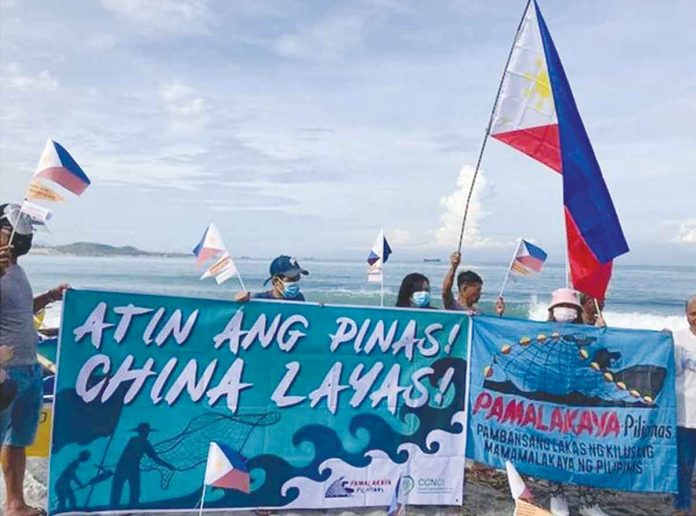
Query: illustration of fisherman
x=128, y=467
x=64, y=484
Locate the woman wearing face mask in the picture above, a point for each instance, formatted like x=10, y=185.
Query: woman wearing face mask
x=414, y=292
x=565, y=308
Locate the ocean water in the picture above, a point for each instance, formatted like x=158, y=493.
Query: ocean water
x=650, y=297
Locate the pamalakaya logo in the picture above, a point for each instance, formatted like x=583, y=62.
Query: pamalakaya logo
x=346, y=488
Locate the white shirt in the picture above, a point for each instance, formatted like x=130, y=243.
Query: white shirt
x=685, y=361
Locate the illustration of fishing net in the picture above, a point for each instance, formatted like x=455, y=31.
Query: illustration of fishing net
x=189, y=448
x=563, y=364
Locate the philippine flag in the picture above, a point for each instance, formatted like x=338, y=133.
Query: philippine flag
x=529, y=257
x=210, y=245
x=378, y=256
x=226, y=469
x=57, y=165
x=536, y=114
x=396, y=506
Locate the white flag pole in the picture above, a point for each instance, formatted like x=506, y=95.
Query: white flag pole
x=381, y=287
x=381, y=277
x=490, y=124
x=241, y=283
x=509, y=269
x=202, y=499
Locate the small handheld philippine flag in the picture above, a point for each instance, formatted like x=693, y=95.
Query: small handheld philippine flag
x=396, y=507
x=226, y=469
x=57, y=165
x=379, y=254
x=528, y=259
x=210, y=245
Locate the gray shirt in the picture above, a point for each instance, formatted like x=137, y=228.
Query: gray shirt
x=17, y=316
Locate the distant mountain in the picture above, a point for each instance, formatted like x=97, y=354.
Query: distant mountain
x=96, y=249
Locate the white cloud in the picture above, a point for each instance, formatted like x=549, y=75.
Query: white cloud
x=451, y=220
x=12, y=76
x=400, y=237
x=186, y=110
x=326, y=40
x=687, y=232
x=163, y=17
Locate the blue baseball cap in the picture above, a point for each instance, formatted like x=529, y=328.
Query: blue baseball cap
x=285, y=266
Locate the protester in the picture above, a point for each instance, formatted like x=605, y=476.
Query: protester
x=566, y=308
x=19, y=420
x=685, y=360
x=285, y=274
x=414, y=291
x=592, y=309
x=470, y=286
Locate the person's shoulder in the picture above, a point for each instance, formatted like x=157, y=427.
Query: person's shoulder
x=684, y=337
x=268, y=294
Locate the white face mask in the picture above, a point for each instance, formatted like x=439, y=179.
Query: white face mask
x=564, y=314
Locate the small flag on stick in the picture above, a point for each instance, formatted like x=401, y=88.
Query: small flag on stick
x=527, y=259
x=222, y=270
x=524, y=505
x=225, y=469
x=39, y=192
x=210, y=246
x=57, y=165
x=37, y=213
x=397, y=507
x=379, y=254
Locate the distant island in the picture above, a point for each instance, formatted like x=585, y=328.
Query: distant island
x=95, y=249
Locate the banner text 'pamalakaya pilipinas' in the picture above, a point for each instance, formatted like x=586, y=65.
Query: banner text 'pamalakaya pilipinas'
x=574, y=403
x=328, y=406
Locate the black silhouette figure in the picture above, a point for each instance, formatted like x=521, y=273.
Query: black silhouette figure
x=64, y=484
x=128, y=466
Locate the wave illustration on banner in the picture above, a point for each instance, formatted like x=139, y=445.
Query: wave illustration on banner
x=423, y=474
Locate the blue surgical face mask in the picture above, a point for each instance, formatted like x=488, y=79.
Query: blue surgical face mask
x=420, y=299
x=291, y=289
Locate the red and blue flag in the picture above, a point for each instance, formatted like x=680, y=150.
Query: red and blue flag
x=57, y=165
x=537, y=115
x=226, y=469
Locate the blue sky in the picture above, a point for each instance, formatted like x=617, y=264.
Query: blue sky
x=304, y=127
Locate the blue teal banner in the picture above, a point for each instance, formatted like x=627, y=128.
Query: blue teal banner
x=308, y=406
x=574, y=403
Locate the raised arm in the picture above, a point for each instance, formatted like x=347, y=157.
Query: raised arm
x=447, y=297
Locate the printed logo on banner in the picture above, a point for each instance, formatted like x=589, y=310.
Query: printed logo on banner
x=342, y=488
x=574, y=403
x=339, y=489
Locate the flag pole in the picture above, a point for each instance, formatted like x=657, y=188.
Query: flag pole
x=200, y=511
x=488, y=129
x=381, y=287
x=507, y=275
x=381, y=276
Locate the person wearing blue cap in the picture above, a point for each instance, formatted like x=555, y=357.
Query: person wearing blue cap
x=285, y=273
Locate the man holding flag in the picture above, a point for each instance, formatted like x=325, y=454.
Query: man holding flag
x=20, y=419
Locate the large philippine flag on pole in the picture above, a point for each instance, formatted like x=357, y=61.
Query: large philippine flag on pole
x=536, y=114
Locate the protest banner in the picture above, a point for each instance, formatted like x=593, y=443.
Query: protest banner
x=313, y=406
x=574, y=403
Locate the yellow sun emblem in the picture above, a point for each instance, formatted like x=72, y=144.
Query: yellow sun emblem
x=540, y=87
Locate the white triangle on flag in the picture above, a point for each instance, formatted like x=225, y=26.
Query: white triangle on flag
x=49, y=158
x=218, y=464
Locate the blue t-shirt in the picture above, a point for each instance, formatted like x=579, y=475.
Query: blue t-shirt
x=269, y=295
